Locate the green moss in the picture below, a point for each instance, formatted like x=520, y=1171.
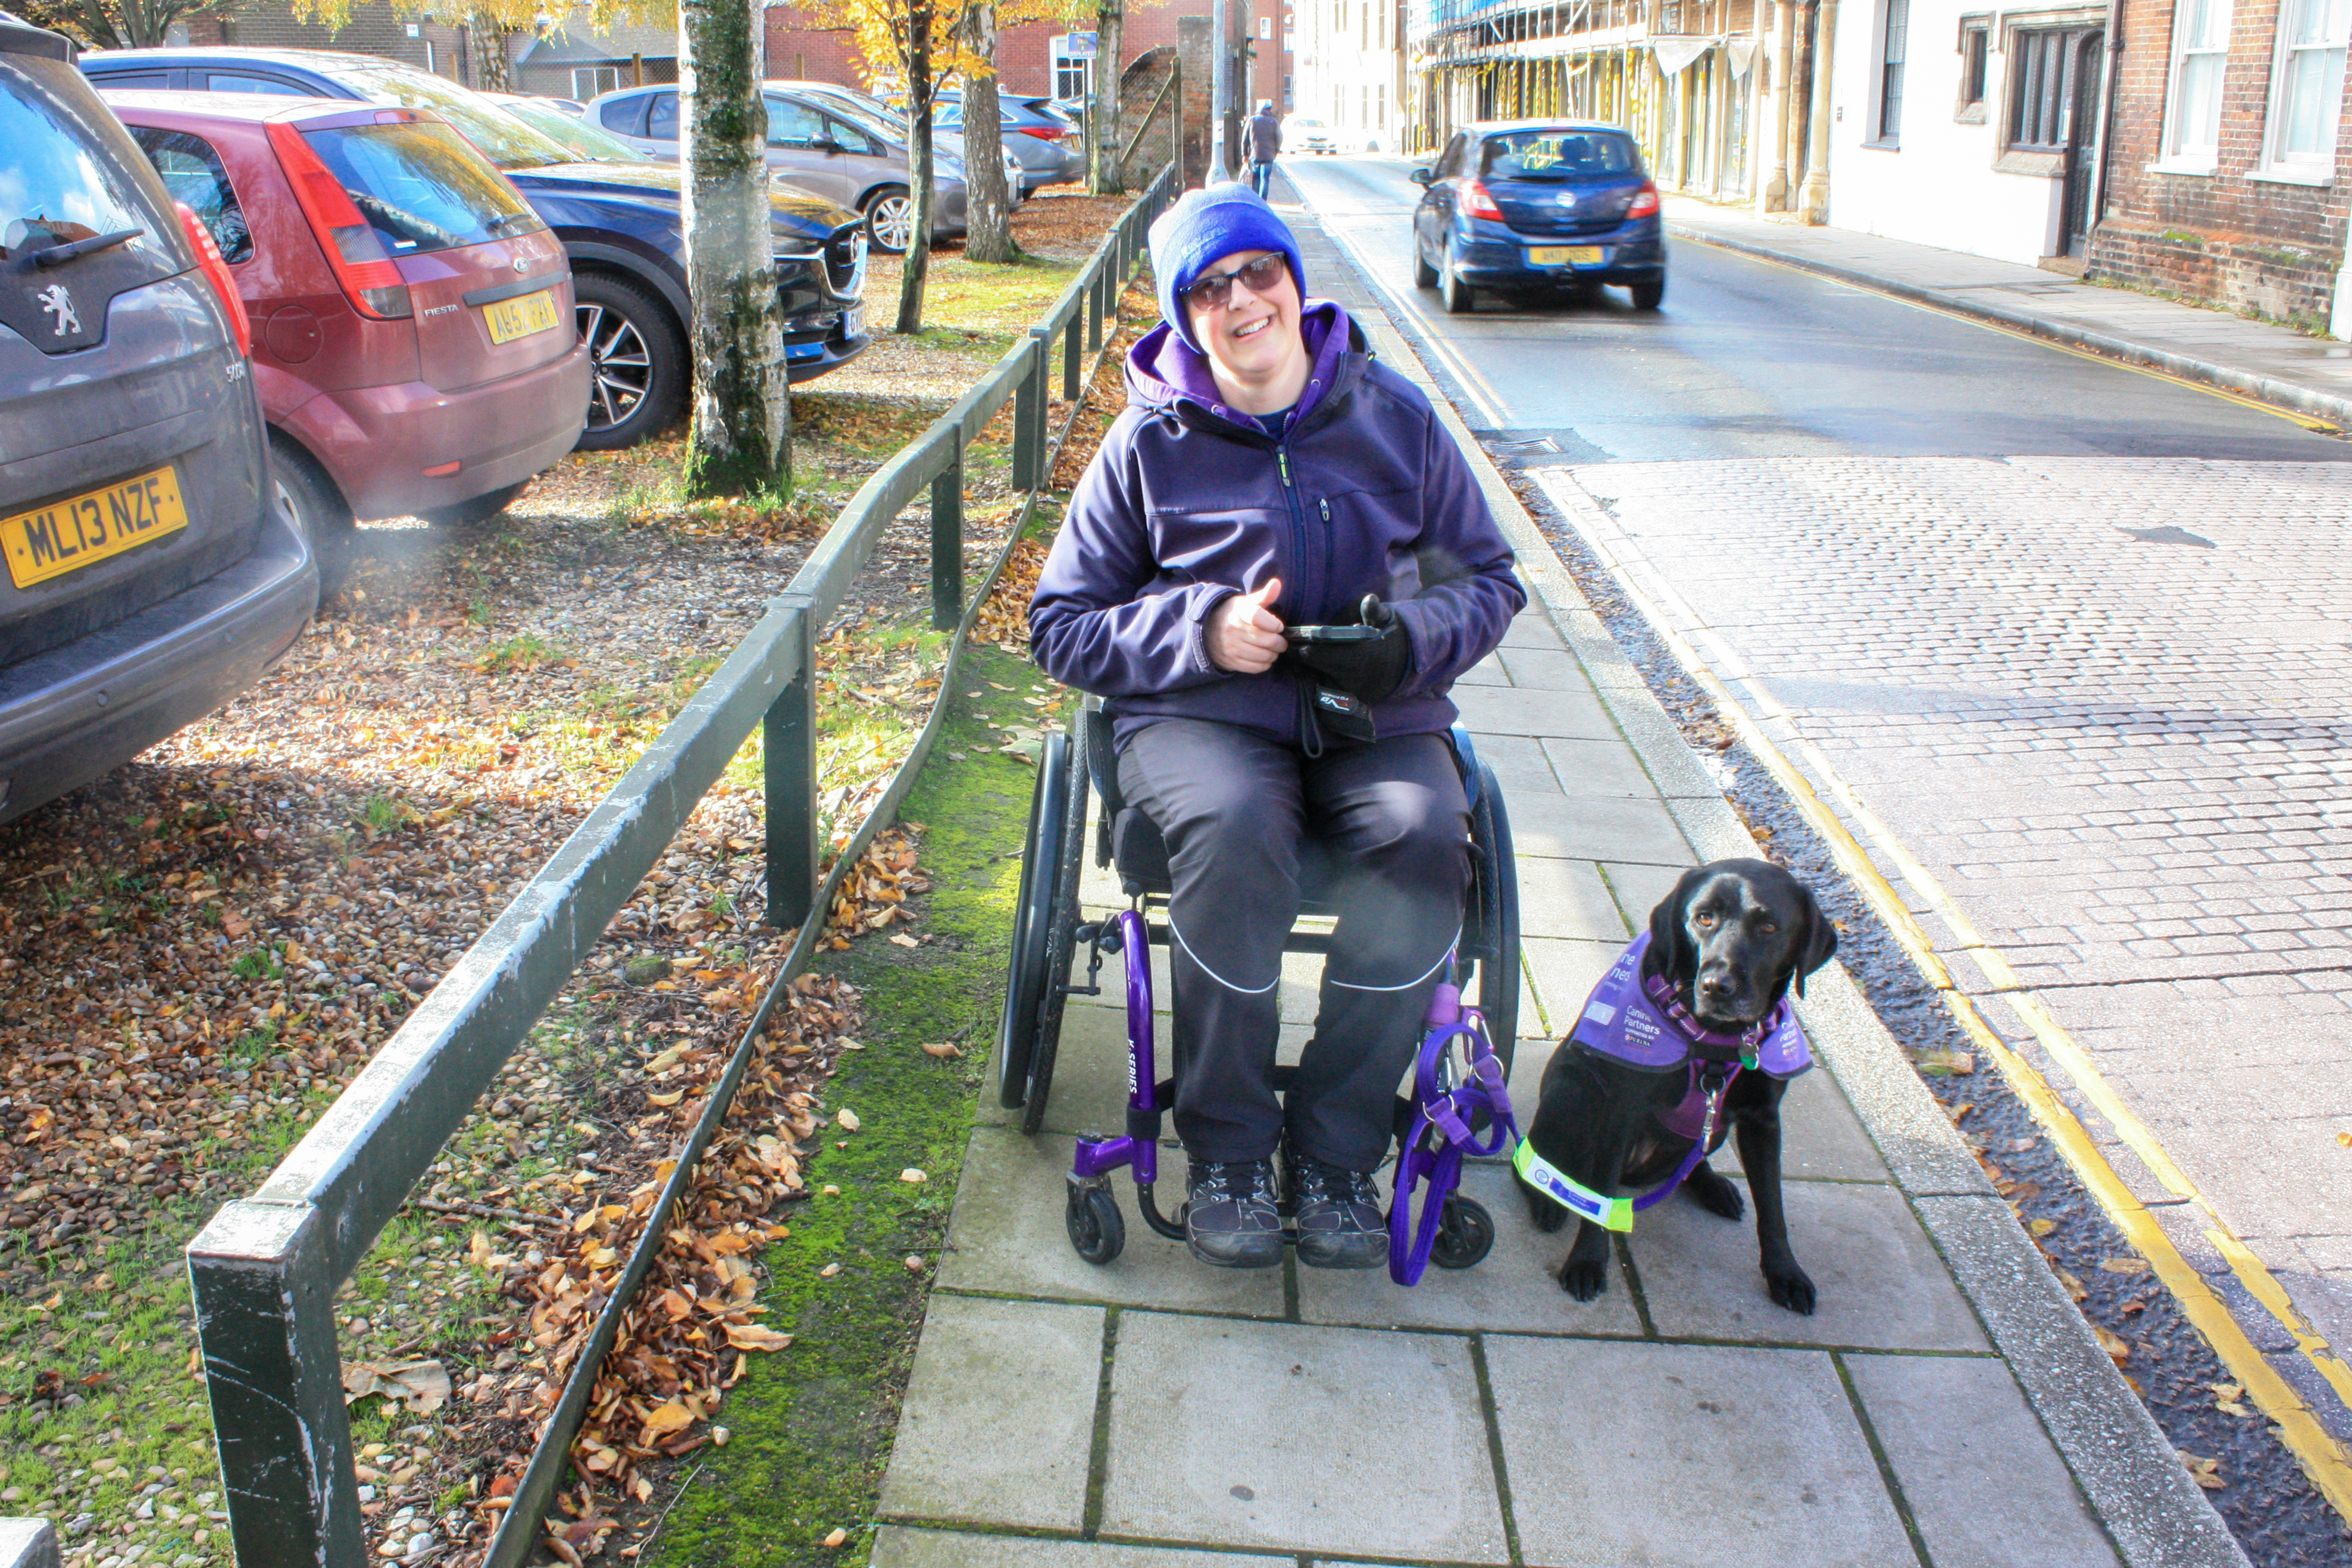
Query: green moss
x=811, y=1427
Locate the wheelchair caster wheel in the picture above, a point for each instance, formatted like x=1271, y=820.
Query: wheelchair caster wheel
x=1466, y=1234
x=1097, y=1229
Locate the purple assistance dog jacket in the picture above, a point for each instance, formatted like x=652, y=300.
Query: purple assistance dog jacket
x=1644, y=1027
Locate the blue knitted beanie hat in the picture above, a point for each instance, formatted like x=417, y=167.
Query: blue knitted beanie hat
x=1204, y=226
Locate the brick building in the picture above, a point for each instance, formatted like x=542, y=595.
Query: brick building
x=1033, y=60
x=376, y=28
x=2231, y=165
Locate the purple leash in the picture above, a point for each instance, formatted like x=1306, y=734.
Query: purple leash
x=1450, y=1111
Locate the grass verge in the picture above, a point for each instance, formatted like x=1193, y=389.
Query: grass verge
x=810, y=1428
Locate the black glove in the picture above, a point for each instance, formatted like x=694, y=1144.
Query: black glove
x=1372, y=669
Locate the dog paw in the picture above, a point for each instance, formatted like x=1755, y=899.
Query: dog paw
x=1791, y=1289
x=1545, y=1215
x=1584, y=1280
x=1714, y=1194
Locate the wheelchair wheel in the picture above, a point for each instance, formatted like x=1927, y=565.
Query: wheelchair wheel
x=1466, y=1234
x=1096, y=1228
x=1024, y=980
x=1498, y=897
x=1061, y=931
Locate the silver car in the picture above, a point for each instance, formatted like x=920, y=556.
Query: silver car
x=827, y=153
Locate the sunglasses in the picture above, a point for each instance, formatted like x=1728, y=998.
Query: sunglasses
x=1258, y=277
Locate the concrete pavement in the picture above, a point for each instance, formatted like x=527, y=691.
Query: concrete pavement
x=2275, y=364
x=1947, y=1406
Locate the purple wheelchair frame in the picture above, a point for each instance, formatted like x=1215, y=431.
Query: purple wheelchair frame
x=1452, y=1096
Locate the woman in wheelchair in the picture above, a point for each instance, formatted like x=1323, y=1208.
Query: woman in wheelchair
x=1273, y=571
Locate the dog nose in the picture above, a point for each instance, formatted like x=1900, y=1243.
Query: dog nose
x=1716, y=988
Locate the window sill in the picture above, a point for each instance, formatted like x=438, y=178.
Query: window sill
x=1969, y=114
x=2204, y=171
x=1881, y=146
x=2048, y=165
x=2287, y=175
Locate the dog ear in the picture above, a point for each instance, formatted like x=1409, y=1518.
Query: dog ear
x=1821, y=939
x=1670, y=941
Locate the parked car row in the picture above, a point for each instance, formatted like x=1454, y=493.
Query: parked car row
x=1048, y=145
x=250, y=296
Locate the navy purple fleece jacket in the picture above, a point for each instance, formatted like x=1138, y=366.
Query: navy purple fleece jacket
x=1188, y=502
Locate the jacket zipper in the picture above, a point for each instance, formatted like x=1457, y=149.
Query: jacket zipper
x=1298, y=523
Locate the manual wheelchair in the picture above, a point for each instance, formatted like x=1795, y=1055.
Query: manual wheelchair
x=1458, y=1102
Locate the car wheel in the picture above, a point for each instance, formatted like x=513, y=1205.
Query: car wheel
x=890, y=219
x=1423, y=275
x=475, y=509
x=637, y=365
x=1648, y=296
x=1459, y=298
x=310, y=500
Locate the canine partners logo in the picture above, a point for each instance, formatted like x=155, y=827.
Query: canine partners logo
x=58, y=303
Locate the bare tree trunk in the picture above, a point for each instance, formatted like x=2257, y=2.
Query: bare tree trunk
x=1105, y=177
x=489, y=34
x=920, y=90
x=742, y=417
x=989, y=205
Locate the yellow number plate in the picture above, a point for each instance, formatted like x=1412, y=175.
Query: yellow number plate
x=66, y=536
x=1566, y=254
x=519, y=318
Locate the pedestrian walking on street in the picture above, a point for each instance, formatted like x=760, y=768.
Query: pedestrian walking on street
x=1265, y=475
x=1265, y=144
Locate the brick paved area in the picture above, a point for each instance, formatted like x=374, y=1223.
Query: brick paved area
x=2108, y=703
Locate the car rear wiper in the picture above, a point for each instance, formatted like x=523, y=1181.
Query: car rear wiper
x=75, y=250
x=503, y=219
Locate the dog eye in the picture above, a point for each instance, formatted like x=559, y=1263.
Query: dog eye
x=1767, y=927
x=1704, y=919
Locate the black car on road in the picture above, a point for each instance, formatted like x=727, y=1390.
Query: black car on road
x=146, y=574
x=621, y=224
x=1526, y=204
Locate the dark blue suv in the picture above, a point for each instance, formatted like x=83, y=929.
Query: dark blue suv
x=621, y=226
x=1536, y=205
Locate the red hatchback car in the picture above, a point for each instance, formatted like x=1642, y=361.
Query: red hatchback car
x=411, y=337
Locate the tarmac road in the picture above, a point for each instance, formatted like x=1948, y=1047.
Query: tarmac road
x=2072, y=638
x=1750, y=360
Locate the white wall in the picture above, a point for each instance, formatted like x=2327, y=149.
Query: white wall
x=1939, y=186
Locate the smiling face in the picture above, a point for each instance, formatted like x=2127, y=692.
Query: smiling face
x=1252, y=340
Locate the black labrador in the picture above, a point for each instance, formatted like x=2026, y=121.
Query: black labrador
x=1730, y=940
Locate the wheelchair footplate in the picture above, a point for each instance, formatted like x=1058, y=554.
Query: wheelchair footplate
x=1457, y=1090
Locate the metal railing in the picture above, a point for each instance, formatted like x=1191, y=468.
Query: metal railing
x=265, y=1269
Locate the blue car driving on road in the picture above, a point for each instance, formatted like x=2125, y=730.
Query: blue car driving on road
x=1535, y=204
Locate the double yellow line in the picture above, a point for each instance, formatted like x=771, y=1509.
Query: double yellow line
x=2322, y=1458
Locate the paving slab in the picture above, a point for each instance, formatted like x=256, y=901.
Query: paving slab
x=998, y=1426
x=1564, y=974
x=1686, y=1457
x=1642, y=888
x=1980, y=1476
x=1598, y=768
x=1529, y=629
x=1574, y=714
x=1521, y=764
x=1513, y=1289
x=1563, y=898
x=1597, y=828
x=1007, y=1237
x=903, y=1546
x=1298, y=1438
x=1486, y=671
x=1878, y=1277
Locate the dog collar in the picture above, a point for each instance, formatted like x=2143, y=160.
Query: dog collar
x=1608, y=1213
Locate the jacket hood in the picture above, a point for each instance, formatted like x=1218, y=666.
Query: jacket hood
x=1166, y=377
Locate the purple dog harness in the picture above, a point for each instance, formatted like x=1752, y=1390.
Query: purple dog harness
x=1640, y=1023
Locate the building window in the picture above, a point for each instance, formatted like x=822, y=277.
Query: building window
x=592, y=81
x=2200, y=47
x=1976, y=61
x=2307, y=87
x=1894, y=37
x=1074, y=75
x=2042, y=74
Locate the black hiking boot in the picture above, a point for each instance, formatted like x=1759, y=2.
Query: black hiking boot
x=1336, y=1212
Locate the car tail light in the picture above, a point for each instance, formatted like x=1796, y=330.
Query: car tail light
x=215, y=271
x=357, y=256
x=1645, y=202
x=1044, y=133
x=1479, y=202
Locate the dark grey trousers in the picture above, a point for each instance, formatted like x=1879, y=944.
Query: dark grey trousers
x=1234, y=807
